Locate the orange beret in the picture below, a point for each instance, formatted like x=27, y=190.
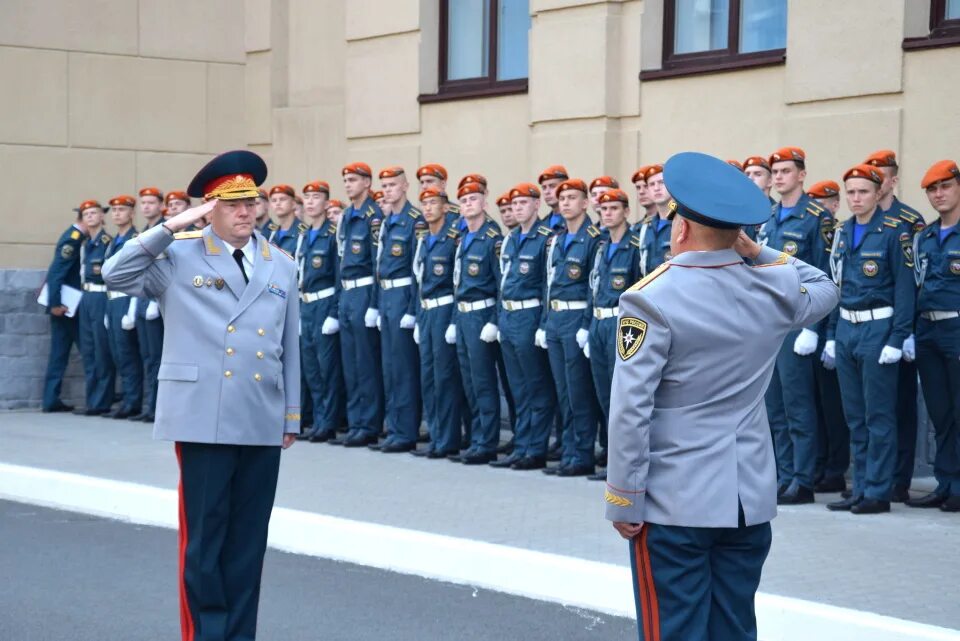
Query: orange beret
x=262, y=194
x=472, y=178
x=524, y=190
x=503, y=199
x=123, y=201
x=358, y=168
x=333, y=202
x=473, y=187
x=317, y=186
x=430, y=192
x=151, y=191
x=574, y=184
x=652, y=170
x=882, y=158
x=941, y=170
x=864, y=170
x=176, y=195
x=795, y=154
x=432, y=169
x=553, y=171
x=604, y=181
x=736, y=163
x=87, y=204
x=377, y=195
x=391, y=172
x=283, y=189
x=756, y=161
x=615, y=196
x=824, y=189
x=638, y=175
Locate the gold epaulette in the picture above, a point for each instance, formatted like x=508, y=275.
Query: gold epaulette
x=371, y=211
x=273, y=226
x=649, y=278
x=302, y=228
x=74, y=235
x=492, y=233
x=893, y=223
x=781, y=260
x=453, y=232
x=593, y=231
x=414, y=212
x=814, y=209
x=543, y=230
x=332, y=229
x=908, y=216
x=635, y=240
x=106, y=238
x=184, y=235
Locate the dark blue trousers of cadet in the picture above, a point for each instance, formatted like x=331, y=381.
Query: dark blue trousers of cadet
x=63, y=334
x=799, y=390
x=777, y=417
x=126, y=355
x=226, y=496
x=478, y=368
x=938, y=359
x=698, y=583
x=574, y=383
x=440, y=382
x=528, y=371
x=603, y=356
x=360, y=349
x=401, y=362
x=322, y=368
x=869, y=392
x=98, y=369
x=150, y=342
x=306, y=394
x=906, y=424
x=833, y=435
x=507, y=392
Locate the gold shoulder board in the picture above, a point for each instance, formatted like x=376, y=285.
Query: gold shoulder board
x=184, y=235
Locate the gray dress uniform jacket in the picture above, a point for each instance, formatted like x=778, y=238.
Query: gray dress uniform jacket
x=697, y=340
x=230, y=371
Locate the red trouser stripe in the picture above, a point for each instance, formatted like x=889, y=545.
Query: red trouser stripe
x=650, y=611
x=187, y=630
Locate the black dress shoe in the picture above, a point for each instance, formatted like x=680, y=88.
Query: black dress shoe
x=137, y=417
x=507, y=461
x=781, y=489
x=435, y=454
x=425, y=453
x=845, y=505
x=930, y=500
x=393, y=448
x=552, y=471
x=59, y=406
x=89, y=412
x=831, y=484
x=306, y=433
x=599, y=476
x=479, y=458
x=870, y=506
x=576, y=470
x=506, y=448
x=148, y=418
x=118, y=414
x=602, y=458
x=800, y=496
x=360, y=439
x=900, y=495
x=322, y=436
x=846, y=494
x=530, y=463
x=457, y=457
x=952, y=504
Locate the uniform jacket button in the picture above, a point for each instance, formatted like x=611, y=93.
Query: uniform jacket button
x=228, y=373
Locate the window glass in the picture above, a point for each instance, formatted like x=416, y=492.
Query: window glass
x=953, y=10
x=763, y=25
x=468, y=39
x=513, y=27
x=701, y=25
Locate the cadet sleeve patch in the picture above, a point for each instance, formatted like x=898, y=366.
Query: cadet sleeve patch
x=919, y=226
x=66, y=251
x=75, y=235
x=497, y=246
x=893, y=223
x=613, y=499
x=827, y=229
x=906, y=246
x=630, y=334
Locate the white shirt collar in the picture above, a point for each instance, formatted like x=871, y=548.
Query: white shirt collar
x=249, y=250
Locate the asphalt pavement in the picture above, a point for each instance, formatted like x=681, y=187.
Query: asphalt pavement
x=83, y=578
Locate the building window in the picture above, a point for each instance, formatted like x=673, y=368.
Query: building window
x=944, y=27
x=483, y=48
x=715, y=35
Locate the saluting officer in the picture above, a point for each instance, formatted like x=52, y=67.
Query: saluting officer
x=396, y=302
x=937, y=259
x=99, y=373
x=440, y=383
x=549, y=179
x=148, y=322
x=523, y=267
x=564, y=329
x=473, y=328
x=646, y=208
x=873, y=266
x=655, y=231
x=358, y=240
x=616, y=267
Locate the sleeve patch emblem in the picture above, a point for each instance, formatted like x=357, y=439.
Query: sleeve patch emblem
x=630, y=335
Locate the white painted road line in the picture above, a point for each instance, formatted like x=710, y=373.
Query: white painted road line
x=550, y=577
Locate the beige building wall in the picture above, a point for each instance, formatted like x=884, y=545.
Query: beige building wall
x=143, y=92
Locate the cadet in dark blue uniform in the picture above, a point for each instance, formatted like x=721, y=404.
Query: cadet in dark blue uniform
x=523, y=266
x=873, y=266
x=148, y=322
x=63, y=270
x=599, y=186
x=473, y=328
x=646, y=208
x=802, y=228
x=99, y=373
x=937, y=260
x=432, y=175
x=440, y=382
x=757, y=169
x=566, y=327
x=263, y=212
x=655, y=232
x=287, y=232
x=396, y=303
x=318, y=265
x=121, y=319
x=886, y=161
x=549, y=179
x=358, y=237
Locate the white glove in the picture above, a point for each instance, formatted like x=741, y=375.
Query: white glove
x=489, y=333
x=890, y=355
x=408, y=321
x=330, y=326
x=909, y=349
x=586, y=350
x=128, y=322
x=829, y=355
x=451, y=335
x=540, y=339
x=499, y=337
x=106, y=322
x=153, y=310
x=416, y=333
x=806, y=342
x=371, y=317
x=379, y=323
x=582, y=337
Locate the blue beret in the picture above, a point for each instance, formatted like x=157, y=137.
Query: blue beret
x=231, y=175
x=712, y=192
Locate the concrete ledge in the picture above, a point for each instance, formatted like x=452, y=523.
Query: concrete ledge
x=596, y=586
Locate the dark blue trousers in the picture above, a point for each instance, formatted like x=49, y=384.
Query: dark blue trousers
x=833, y=435
x=869, y=393
x=150, y=342
x=507, y=392
x=99, y=372
x=63, y=334
x=478, y=369
x=360, y=350
x=906, y=424
x=798, y=388
x=322, y=366
x=226, y=496
x=528, y=369
x=698, y=584
x=440, y=382
x=603, y=356
x=938, y=360
x=401, y=359
x=126, y=356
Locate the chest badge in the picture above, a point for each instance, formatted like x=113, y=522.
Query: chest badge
x=198, y=281
x=574, y=272
x=524, y=267
x=618, y=282
x=355, y=247
x=316, y=262
x=218, y=283
x=438, y=269
x=396, y=249
x=790, y=247
x=96, y=268
x=473, y=269
x=955, y=267
x=870, y=268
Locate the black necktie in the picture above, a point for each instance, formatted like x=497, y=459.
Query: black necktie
x=238, y=256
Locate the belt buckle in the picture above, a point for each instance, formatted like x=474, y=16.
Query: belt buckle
x=509, y=304
x=461, y=307
x=555, y=305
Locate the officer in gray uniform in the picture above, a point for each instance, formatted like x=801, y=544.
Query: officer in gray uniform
x=229, y=385
x=691, y=478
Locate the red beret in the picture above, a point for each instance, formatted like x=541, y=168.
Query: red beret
x=638, y=175
x=824, y=189
x=473, y=178
x=503, y=200
x=553, y=171
x=358, y=168
x=882, y=158
x=432, y=169
x=756, y=161
x=604, y=181
x=262, y=194
x=864, y=170
x=615, y=196
x=652, y=170
x=391, y=172
x=176, y=195
x=736, y=163
x=151, y=191
x=87, y=204
x=522, y=190
x=123, y=201
x=317, y=186
x=941, y=170
x=333, y=202
x=430, y=192
x=574, y=184
x=283, y=189
x=788, y=153
x=472, y=187
x=376, y=195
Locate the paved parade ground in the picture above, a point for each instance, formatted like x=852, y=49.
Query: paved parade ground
x=903, y=564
